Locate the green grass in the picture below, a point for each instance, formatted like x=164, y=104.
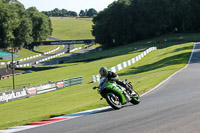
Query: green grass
x=40, y=49
x=111, y=57
x=171, y=39
x=144, y=75
x=71, y=28
x=159, y=65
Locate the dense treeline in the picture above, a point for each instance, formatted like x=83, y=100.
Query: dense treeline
x=126, y=21
x=89, y=13
x=64, y=13
x=60, y=13
x=19, y=27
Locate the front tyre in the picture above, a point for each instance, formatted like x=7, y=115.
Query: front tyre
x=135, y=99
x=113, y=100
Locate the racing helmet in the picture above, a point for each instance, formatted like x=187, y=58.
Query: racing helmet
x=103, y=71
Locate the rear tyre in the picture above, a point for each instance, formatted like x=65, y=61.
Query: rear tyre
x=113, y=100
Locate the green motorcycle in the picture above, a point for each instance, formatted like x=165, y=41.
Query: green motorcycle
x=116, y=95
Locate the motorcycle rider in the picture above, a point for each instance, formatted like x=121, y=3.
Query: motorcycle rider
x=111, y=76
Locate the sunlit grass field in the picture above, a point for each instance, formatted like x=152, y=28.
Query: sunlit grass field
x=145, y=74
x=66, y=28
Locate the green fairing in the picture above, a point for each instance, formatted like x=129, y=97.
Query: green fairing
x=113, y=87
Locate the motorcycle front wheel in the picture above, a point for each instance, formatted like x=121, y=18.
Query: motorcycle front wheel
x=113, y=100
x=135, y=99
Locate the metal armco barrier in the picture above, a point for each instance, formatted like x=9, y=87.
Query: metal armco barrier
x=39, y=89
x=73, y=81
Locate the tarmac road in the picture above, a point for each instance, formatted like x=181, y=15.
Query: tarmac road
x=65, y=57
x=174, y=107
x=59, y=59
x=65, y=49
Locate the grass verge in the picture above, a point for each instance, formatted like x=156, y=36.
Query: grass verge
x=144, y=75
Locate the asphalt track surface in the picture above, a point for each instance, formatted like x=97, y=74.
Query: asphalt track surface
x=65, y=57
x=174, y=107
x=59, y=59
x=64, y=49
x=44, y=56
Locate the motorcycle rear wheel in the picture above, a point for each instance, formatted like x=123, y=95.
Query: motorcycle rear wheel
x=113, y=100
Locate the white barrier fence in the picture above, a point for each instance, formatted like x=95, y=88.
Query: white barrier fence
x=75, y=49
x=45, y=59
x=28, y=58
x=95, y=78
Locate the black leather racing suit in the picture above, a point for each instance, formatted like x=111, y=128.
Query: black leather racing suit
x=114, y=77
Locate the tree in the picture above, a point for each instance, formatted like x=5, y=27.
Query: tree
x=60, y=13
x=91, y=12
x=41, y=25
x=8, y=23
x=71, y=14
x=194, y=15
x=109, y=24
x=101, y=29
x=85, y=12
x=82, y=13
x=23, y=33
x=19, y=26
x=126, y=21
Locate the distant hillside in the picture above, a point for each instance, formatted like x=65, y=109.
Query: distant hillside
x=67, y=28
